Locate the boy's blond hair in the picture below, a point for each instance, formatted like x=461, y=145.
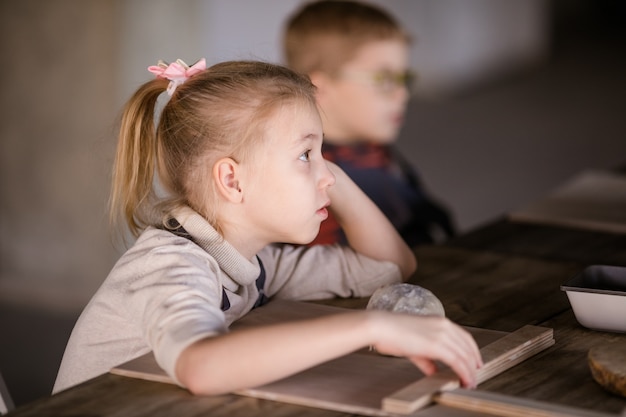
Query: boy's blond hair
x=324, y=35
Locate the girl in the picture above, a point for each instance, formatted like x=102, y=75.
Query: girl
x=235, y=166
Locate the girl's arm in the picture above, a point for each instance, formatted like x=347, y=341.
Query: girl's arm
x=255, y=356
x=367, y=229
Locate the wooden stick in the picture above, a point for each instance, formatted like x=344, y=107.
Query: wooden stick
x=420, y=393
x=498, y=356
x=512, y=349
x=496, y=367
x=509, y=406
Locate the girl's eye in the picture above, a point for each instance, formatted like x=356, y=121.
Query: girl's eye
x=305, y=156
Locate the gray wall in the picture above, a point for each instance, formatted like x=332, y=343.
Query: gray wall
x=56, y=132
x=69, y=65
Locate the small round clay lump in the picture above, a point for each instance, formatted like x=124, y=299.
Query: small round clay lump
x=406, y=298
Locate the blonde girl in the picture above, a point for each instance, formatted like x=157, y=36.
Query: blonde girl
x=222, y=195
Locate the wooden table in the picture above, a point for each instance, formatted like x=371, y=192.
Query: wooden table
x=546, y=242
x=500, y=277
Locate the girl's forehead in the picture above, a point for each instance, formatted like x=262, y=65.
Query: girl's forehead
x=299, y=108
x=293, y=120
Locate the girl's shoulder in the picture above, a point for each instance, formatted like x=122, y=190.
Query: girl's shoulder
x=158, y=249
x=153, y=240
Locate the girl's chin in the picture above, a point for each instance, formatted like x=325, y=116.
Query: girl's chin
x=304, y=240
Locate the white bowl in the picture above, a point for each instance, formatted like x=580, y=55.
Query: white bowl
x=598, y=297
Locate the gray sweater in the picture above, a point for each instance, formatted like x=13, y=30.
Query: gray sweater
x=166, y=291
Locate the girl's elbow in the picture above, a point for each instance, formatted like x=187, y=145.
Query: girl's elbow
x=195, y=376
x=204, y=389
x=200, y=383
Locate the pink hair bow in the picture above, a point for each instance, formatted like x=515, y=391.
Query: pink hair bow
x=177, y=72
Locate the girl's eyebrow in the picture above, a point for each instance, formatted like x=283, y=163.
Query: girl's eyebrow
x=312, y=137
x=304, y=140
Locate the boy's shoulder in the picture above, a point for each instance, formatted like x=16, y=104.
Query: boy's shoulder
x=359, y=154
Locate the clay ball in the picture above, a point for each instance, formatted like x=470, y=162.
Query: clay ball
x=406, y=298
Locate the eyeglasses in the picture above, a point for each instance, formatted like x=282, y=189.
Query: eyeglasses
x=384, y=81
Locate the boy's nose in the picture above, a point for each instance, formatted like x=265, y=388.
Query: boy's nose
x=402, y=93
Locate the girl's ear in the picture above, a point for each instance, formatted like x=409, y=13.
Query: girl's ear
x=226, y=176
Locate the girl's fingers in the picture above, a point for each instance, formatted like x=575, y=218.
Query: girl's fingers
x=434, y=339
x=425, y=365
x=459, y=351
x=468, y=359
x=466, y=374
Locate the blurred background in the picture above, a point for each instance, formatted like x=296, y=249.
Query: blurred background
x=514, y=98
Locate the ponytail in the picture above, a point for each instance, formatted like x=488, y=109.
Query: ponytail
x=133, y=170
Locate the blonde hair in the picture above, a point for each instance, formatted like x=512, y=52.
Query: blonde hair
x=220, y=112
x=324, y=35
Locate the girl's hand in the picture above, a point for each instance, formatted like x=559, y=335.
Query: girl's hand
x=367, y=229
x=426, y=339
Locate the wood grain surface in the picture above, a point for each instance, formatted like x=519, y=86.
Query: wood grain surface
x=551, y=243
x=501, y=276
x=505, y=405
x=472, y=285
x=359, y=382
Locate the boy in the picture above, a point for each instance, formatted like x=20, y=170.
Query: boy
x=357, y=56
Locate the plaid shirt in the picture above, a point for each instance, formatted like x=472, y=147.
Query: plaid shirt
x=393, y=185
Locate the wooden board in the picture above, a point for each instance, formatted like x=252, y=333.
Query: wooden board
x=509, y=406
x=498, y=356
x=594, y=200
x=355, y=383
